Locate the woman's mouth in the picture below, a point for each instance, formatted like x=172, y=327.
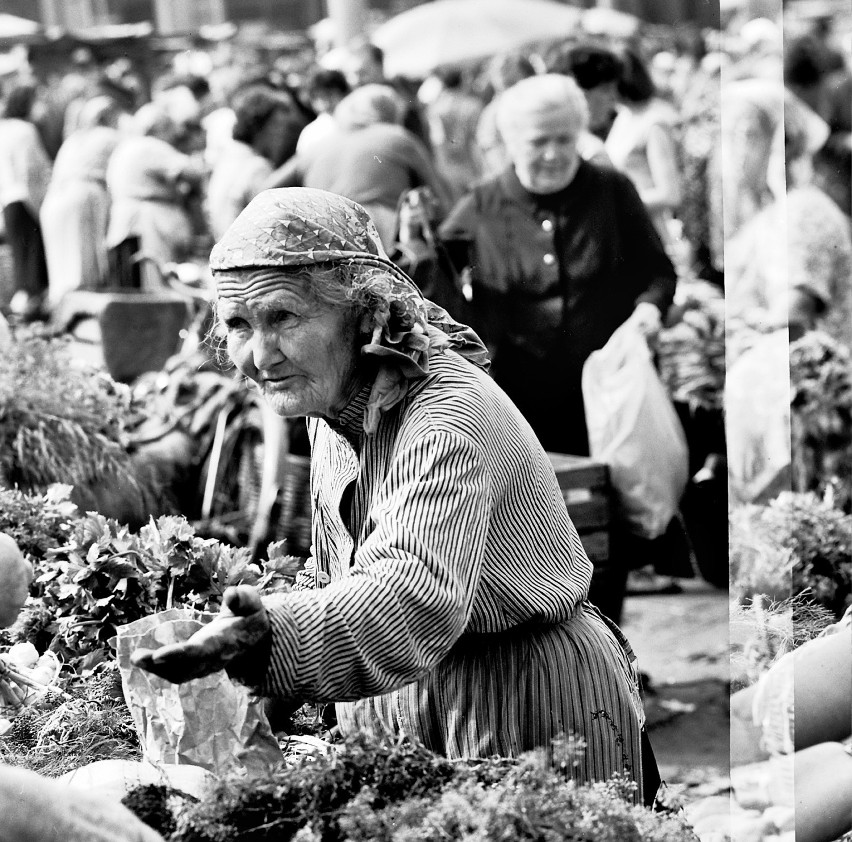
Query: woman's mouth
x=276, y=382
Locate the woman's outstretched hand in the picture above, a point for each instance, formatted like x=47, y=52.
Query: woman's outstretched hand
x=240, y=632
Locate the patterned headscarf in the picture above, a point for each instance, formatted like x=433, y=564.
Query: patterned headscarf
x=300, y=226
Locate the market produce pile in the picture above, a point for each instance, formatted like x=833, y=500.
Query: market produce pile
x=796, y=544
x=378, y=791
x=60, y=421
x=93, y=574
x=691, y=348
x=79, y=720
x=821, y=416
x=97, y=574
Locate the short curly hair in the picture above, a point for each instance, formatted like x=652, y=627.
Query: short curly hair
x=589, y=65
x=253, y=106
x=541, y=92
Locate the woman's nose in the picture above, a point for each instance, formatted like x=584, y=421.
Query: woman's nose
x=265, y=349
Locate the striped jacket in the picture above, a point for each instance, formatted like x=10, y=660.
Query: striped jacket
x=447, y=520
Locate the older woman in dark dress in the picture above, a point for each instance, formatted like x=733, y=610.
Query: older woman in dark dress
x=560, y=252
x=445, y=597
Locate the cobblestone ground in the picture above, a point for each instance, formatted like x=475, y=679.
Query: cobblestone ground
x=682, y=643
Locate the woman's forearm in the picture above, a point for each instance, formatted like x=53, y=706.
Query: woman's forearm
x=662, y=163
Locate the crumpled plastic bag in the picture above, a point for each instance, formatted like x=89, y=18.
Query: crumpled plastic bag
x=210, y=722
x=633, y=428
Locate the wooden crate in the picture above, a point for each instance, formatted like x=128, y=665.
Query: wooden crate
x=586, y=491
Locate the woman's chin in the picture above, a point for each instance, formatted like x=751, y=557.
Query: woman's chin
x=284, y=403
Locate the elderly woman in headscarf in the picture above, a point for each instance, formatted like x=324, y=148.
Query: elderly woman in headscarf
x=445, y=597
x=75, y=212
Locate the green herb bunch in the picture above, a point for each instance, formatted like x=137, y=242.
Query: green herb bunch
x=544, y=809
x=37, y=522
x=371, y=790
x=314, y=792
x=797, y=544
x=60, y=421
x=88, y=721
x=821, y=381
x=106, y=576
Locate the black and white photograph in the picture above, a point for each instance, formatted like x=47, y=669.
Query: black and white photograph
x=426, y=420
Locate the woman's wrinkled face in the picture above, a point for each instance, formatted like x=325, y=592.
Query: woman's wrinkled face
x=303, y=354
x=543, y=147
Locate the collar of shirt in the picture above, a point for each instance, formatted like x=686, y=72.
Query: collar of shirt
x=533, y=202
x=350, y=422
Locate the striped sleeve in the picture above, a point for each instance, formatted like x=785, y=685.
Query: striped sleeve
x=411, y=587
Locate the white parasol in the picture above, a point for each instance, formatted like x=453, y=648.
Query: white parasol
x=445, y=32
x=11, y=26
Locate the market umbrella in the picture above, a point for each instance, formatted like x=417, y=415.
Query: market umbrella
x=612, y=22
x=11, y=26
x=457, y=31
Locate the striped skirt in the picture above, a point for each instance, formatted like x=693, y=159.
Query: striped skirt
x=510, y=692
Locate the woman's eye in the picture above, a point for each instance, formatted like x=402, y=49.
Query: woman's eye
x=281, y=316
x=235, y=323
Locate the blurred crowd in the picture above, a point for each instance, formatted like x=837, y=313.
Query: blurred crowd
x=102, y=162
x=736, y=143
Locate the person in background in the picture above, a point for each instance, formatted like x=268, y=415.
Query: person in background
x=663, y=69
x=700, y=139
x=753, y=110
x=77, y=86
x=267, y=126
x=452, y=117
x=561, y=252
x=805, y=73
x=833, y=163
x=218, y=122
x=493, y=151
x=75, y=212
x=597, y=71
x=502, y=72
x=324, y=90
x=364, y=64
x=789, y=267
x=372, y=159
x=148, y=179
x=641, y=143
x=24, y=177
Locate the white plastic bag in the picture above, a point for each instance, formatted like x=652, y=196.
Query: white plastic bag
x=634, y=429
x=757, y=420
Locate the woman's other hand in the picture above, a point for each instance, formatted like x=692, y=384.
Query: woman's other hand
x=647, y=319
x=237, y=640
